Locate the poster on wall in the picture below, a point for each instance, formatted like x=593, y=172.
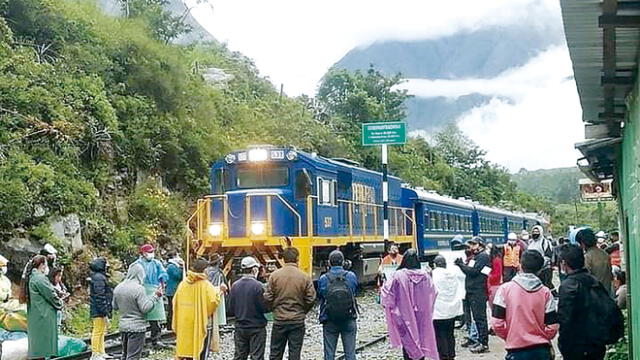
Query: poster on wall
x=596, y=191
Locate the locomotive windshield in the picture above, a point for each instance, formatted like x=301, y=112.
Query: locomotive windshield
x=262, y=176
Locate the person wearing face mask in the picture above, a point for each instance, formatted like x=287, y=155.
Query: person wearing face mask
x=49, y=252
x=248, y=305
x=155, y=278
x=5, y=283
x=42, y=305
x=476, y=272
x=511, y=260
x=543, y=246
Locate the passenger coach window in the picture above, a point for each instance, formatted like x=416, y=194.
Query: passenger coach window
x=303, y=185
x=258, y=177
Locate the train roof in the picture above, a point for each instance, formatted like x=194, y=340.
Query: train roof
x=435, y=197
x=493, y=210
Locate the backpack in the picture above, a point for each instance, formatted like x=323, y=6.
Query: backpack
x=340, y=302
x=603, y=317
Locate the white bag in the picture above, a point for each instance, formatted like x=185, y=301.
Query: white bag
x=15, y=349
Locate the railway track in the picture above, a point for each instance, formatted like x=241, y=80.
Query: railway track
x=366, y=345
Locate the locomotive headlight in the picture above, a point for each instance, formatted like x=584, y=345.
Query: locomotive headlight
x=230, y=158
x=292, y=155
x=215, y=229
x=257, y=228
x=258, y=155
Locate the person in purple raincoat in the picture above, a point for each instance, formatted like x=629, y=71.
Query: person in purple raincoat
x=408, y=300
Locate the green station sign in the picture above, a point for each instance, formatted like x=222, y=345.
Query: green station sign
x=381, y=133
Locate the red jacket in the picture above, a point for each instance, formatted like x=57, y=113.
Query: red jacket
x=495, y=276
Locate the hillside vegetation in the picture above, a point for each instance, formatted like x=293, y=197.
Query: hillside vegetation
x=559, y=185
x=105, y=118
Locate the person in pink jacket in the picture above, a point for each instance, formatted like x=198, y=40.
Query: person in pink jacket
x=524, y=312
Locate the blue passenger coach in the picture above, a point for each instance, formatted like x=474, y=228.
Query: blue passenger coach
x=265, y=198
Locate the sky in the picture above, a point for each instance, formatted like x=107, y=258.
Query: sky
x=294, y=42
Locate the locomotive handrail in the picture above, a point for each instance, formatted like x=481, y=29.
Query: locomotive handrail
x=285, y=203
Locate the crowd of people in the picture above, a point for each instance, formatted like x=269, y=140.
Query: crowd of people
x=506, y=290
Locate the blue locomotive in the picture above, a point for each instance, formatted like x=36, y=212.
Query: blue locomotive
x=264, y=198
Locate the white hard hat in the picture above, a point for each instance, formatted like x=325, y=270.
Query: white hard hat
x=524, y=232
x=512, y=236
x=249, y=262
x=50, y=249
x=600, y=234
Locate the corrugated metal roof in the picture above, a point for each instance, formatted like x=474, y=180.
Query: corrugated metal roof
x=585, y=39
x=585, y=42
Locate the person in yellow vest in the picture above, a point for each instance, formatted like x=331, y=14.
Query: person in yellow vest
x=511, y=259
x=194, y=303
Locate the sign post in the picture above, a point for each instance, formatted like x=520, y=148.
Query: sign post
x=384, y=134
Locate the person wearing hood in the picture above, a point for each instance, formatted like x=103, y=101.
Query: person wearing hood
x=596, y=260
x=476, y=272
x=5, y=283
x=543, y=246
x=194, y=302
x=42, y=306
x=175, y=268
x=447, y=307
x=511, y=260
x=524, y=312
x=408, y=299
x=131, y=300
x=155, y=277
x=101, y=297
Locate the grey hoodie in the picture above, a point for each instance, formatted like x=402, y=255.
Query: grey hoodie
x=543, y=246
x=130, y=299
x=527, y=281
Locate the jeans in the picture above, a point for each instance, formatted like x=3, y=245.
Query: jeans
x=132, y=345
x=156, y=332
x=478, y=305
x=472, y=330
x=445, y=338
x=538, y=353
x=97, y=335
x=249, y=342
x=347, y=331
x=283, y=334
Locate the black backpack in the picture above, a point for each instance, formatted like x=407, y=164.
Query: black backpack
x=340, y=302
x=603, y=317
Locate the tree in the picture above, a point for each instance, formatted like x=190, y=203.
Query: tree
x=164, y=26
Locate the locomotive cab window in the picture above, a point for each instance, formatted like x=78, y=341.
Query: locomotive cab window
x=304, y=185
x=262, y=176
x=326, y=192
x=221, y=181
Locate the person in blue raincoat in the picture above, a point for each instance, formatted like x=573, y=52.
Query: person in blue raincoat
x=155, y=276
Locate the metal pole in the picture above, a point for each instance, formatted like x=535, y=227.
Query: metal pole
x=385, y=196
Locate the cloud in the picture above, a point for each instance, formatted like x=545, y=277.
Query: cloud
x=294, y=42
x=533, y=118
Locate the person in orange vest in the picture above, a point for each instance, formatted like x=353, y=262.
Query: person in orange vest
x=511, y=259
x=393, y=257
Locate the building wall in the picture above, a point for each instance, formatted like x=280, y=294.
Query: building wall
x=629, y=196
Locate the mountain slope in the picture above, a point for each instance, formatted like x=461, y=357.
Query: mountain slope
x=483, y=53
x=559, y=185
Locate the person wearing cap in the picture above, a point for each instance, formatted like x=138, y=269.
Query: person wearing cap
x=448, y=306
x=291, y=295
x=601, y=239
x=194, y=302
x=596, y=260
x=101, y=298
x=175, y=271
x=334, y=326
x=615, y=250
x=5, y=283
x=50, y=253
x=476, y=273
x=155, y=277
x=511, y=260
x=247, y=304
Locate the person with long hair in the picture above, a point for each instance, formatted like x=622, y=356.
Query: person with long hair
x=408, y=299
x=42, y=306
